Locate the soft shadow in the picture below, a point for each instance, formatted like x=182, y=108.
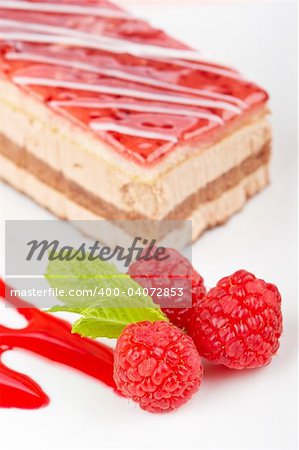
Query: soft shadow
x=219, y=373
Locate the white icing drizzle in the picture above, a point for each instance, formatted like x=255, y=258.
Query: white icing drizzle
x=90, y=37
x=104, y=89
x=63, y=31
x=138, y=107
x=64, y=9
x=112, y=45
x=173, y=53
x=116, y=73
x=226, y=72
x=112, y=126
x=45, y=29
x=39, y=33
x=51, y=29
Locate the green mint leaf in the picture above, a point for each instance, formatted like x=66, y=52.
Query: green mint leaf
x=62, y=308
x=102, y=315
x=110, y=322
x=83, y=276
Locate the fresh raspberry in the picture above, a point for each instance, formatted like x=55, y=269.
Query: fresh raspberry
x=157, y=365
x=175, y=272
x=239, y=322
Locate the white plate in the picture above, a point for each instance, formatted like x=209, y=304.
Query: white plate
x=254, y=409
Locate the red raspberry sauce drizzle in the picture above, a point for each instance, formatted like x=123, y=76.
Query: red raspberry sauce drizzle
x=50, y=337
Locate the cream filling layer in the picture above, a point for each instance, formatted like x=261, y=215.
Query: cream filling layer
x=207, y=215
x=92, y=164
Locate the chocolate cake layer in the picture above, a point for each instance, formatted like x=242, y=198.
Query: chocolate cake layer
x=55, y=179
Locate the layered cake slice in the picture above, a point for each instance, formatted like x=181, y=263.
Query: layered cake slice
x=104, y=116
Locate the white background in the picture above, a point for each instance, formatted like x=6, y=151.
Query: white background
x=233, y=410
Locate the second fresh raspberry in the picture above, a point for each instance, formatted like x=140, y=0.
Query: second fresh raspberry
x=239, y=322
x=173, y=275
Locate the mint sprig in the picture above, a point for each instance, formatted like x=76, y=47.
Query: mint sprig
x=102, y=316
